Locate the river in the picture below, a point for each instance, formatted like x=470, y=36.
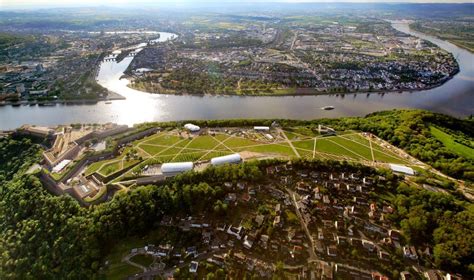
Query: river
x=455, y=97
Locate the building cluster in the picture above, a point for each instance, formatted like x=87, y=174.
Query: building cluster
x=324, y=58
x=317, y=224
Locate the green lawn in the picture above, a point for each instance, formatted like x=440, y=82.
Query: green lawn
x=172, y=148
x=235, y=142
x=357, y=138
x=110, y=168
x=305, y=153
x=171, y=151
x=165, y=140
x=221, y=147
x=93, y=167
x=326, y=146
x=152, y=150
x=303, y=131
x=292, y=136
x=221, y=137
x=450, y=143
x=306, y=144
x=188, y=156
x=203, y=142
x=379, y=156
x=216, y=154
x=270, y=148
x=354, y=147
x=182, y=143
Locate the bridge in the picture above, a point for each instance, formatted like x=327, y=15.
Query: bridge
x=114, y=58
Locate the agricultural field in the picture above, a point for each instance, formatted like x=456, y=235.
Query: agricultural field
x=176, y=146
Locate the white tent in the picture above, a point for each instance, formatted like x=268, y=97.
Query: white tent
x=191, y=127
x=234, y=158
x=176, y=167
x=402, y=169
x=261, y=128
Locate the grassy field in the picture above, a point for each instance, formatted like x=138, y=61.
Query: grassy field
x=168, y=146
x=450, y=143
x=145, y=260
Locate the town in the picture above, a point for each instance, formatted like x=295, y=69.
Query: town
x=277, y=55
x=304, y=56
x=301, y=218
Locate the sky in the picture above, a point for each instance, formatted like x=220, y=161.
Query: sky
x=62, y=3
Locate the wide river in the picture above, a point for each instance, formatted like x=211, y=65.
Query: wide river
x=456, y=97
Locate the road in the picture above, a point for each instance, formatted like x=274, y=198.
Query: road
x=312, y=254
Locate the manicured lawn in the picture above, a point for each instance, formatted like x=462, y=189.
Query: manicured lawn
x=110, y=168
x=357, y=138
x=306, y=144
x=148, y=138
x=292, y=136
x=215, y=154
x=221, y=147
x=271, y=149
x=356, y=148
x=221, y=137
x=326, y=146
x=305, y=153
x=188, y=156
x=165, y=140
x=234, y=142
x=303, y=131
x=93, y=168
x=167, y=158
x=171, y=151
x=152, y=150
x=182, y=143
x=203, y=142
x=450, y=143
x=379, y=156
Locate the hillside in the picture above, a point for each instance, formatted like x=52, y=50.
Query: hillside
x=52, y=237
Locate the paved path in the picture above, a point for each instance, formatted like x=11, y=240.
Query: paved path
x=289, y=142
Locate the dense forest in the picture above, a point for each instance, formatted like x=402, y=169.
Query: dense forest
x=43, y=236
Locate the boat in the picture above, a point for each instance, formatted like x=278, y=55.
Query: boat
x=49, y=104
x=328, y=108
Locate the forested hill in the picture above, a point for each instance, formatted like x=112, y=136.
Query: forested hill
x=43, y=236
x=444, y=142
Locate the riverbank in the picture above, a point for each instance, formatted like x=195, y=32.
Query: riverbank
x=463, y=43
x=301, y=91
x=110, y=97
